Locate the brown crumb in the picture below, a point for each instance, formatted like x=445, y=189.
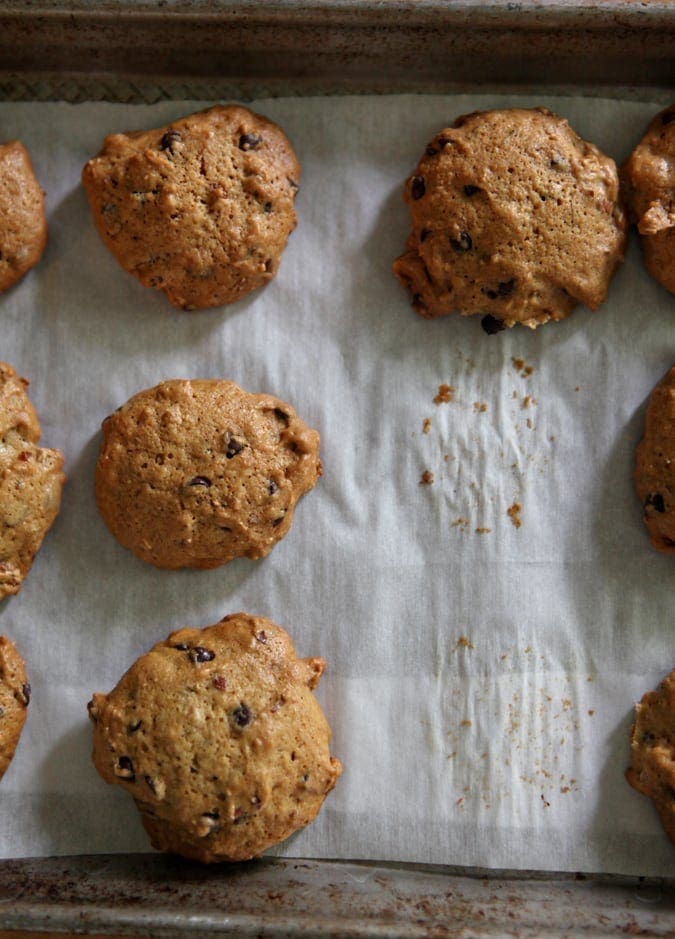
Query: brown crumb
x=513, y=513
x=427, y=478
x=460, y=523
x=465, y=723
x=426, y=425
x=577, y=388
x=445, y=394
x=466, y=643
x=521, y=366
x=483, y=531
x=460, y=800
x=528, y=400
x=480, y=407
x=564, y=789
x=591, y=712
x=546, y=804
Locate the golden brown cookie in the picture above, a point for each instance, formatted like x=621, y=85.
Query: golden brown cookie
x=200, y=208
x=655, y=465
x=648, y=176
x=196, y=473
x=23, y=226
x=652, y=769
x=31, y=479
x=514, y=217
x=217, y=736
x=14, y=698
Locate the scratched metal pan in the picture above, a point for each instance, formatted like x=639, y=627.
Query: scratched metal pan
x=148, y=51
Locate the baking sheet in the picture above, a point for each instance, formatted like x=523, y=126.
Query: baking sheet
x=480, y=676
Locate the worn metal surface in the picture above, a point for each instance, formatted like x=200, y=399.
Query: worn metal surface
x=142, y=51
x=161, y=896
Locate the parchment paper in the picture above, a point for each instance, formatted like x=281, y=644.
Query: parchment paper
x=481, y=677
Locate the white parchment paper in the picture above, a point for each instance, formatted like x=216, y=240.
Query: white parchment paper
x=481, y=677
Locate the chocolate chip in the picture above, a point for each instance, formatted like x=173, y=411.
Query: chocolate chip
x=281, y=415
x=272, y=487
x=92, y=711
x=431, y=150
x=277, y=521
x=132, y=728
x=241, y=716
x=213, y=815
x=169, y=139
x=424, y=234
x=505, y=287
x=492, y=294
x=463, y=243
x=125, y=768
x=417, y=187
x=294, y=186
x=181, y=646
x=233, y=447
x=250, y=141
x=648, y=737
x=200, y=654
x=442, y=142
x=200, y=481
x=267, y=208
x=261, y=636
x=491, y=324
x=151, y=784
x=668, y=117
x=25, y=694
x=655, y=499
x=471, y=190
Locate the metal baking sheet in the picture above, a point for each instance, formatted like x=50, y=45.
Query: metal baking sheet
x=147, y=52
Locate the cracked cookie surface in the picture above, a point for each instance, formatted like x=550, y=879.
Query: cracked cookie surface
x=200, y=208
x=14, y=699
x=23, y=226
x=197, y=473
x=648, y=176
x=31, y=479
x=217, y=736
x=655, y=465
x=514, y=217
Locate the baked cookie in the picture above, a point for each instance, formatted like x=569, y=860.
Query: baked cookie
x=217, y=736
x=648, y=176
x=655, y=465
x=23, y=226
x=196, y=473
x=514, y=217
x=652, y=769
x=31, y=479
x=201, y=208
x=14, y=698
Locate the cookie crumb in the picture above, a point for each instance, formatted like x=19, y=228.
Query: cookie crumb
x=445, y=394
x=513, y=513
x=528, y=400
x=465, y=723
x=426, y=425
x=427, y=478
x=522, y=367
x=460, y=523
x=465, y=642
x=483, y=531
x=479, y=407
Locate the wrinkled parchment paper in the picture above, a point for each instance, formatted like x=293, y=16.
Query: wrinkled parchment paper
x=481, y=676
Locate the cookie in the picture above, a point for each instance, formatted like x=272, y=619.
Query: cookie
x=652, y=769
x=655, y=465
x=217, y=736
x=196, y=473
x=14, y=699
x=200, y=208
x=648, y=177
x=23, y=225
x=514, y=217
x=31, y=479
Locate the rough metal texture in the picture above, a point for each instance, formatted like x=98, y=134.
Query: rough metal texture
x=147, y=51
x=164, y=896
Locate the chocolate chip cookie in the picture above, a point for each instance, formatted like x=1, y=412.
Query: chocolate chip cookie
x=648, y=176
x=23, y=225
x=514, y=217
x=31, y=479
x=218, y=738
x=196, y=473
x=14, y=699
x=200, y=208
x=655, y=465
x=652, y=769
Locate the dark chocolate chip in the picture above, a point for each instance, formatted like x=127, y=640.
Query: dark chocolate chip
x=169, y=139
x=282, y=415
x=151, y=784
x=492, y=294
x=25, y=694
x=261, y=636
x=470, y=190
x=181, y=646
x=200, y=654
x=655, y=499
x=242, y=716
x=491, y=324
x=431, y=150
x=213, y=815
x=417, y=187
x=294, y=186
x=277, y=521
x=233, y=447
x=505, y=287
x=442, y=142
x=125, y=768
x=200, y=481
x=648, y=737
x=250, y=141
x=424, y=234
x=132, y=728
x=668, y=117
x=272, y=487
x=463, y=243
